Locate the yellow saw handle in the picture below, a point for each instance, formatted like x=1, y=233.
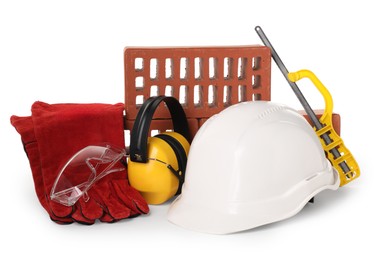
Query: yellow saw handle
x=337, y=142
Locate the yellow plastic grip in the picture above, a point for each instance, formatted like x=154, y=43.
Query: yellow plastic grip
x=326, y=120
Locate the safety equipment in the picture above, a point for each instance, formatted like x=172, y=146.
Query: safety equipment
x=252, y=164
x=157, y=164
x=84, y=169
x=53, y=134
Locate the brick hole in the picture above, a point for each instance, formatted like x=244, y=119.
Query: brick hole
x=154, y=132
x=256, y=96
x=183, y=98
x=227, y=67
x=212, y=96
x=169, y=91
x=153, y=68
x=256, y=81
x=242, y=63
x=139, y=100
x=241, y=93
x=197, y=96
x=127, y=137
x=212, y=68
x=256, y=63
x=138, y=63
x=197, y=68
x=227, y=96
x=169, y=68
x=184, y=68
x=154, y=91
x=139, y=82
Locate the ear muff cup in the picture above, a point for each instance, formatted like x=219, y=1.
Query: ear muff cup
x=179, y=169
x=156, y=180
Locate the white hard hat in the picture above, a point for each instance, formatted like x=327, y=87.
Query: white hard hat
x=252, y=164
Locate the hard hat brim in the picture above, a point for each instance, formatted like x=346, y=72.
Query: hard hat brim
x=237, y=216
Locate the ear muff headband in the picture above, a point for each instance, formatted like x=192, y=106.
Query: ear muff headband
x=140, y=132
x=181, y=158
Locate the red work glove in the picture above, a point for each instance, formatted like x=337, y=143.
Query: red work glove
x=71, y=127
x=63, y=129
x=57, y=212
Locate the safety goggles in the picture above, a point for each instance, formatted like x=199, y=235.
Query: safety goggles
x=84, y=169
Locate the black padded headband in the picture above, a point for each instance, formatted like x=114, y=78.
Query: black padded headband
x=140, y=132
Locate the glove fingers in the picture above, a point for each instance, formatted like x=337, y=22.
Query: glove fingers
x=90, y=209
x=107, y=218
x=114, y=207
x=60, y=220
x=80, y=218
x=60, y=211
x=130, y=196
x=112, y=210
x=114, y=186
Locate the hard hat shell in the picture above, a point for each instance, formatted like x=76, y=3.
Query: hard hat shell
x=153, y=179
x=252, y=164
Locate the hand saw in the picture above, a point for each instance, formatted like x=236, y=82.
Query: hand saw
x=337, y=153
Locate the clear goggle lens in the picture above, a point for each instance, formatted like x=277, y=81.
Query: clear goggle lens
x=84, y=169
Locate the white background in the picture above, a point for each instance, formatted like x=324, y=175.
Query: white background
x=72, y=51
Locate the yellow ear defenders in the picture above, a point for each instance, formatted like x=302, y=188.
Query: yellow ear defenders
x=157, y=164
